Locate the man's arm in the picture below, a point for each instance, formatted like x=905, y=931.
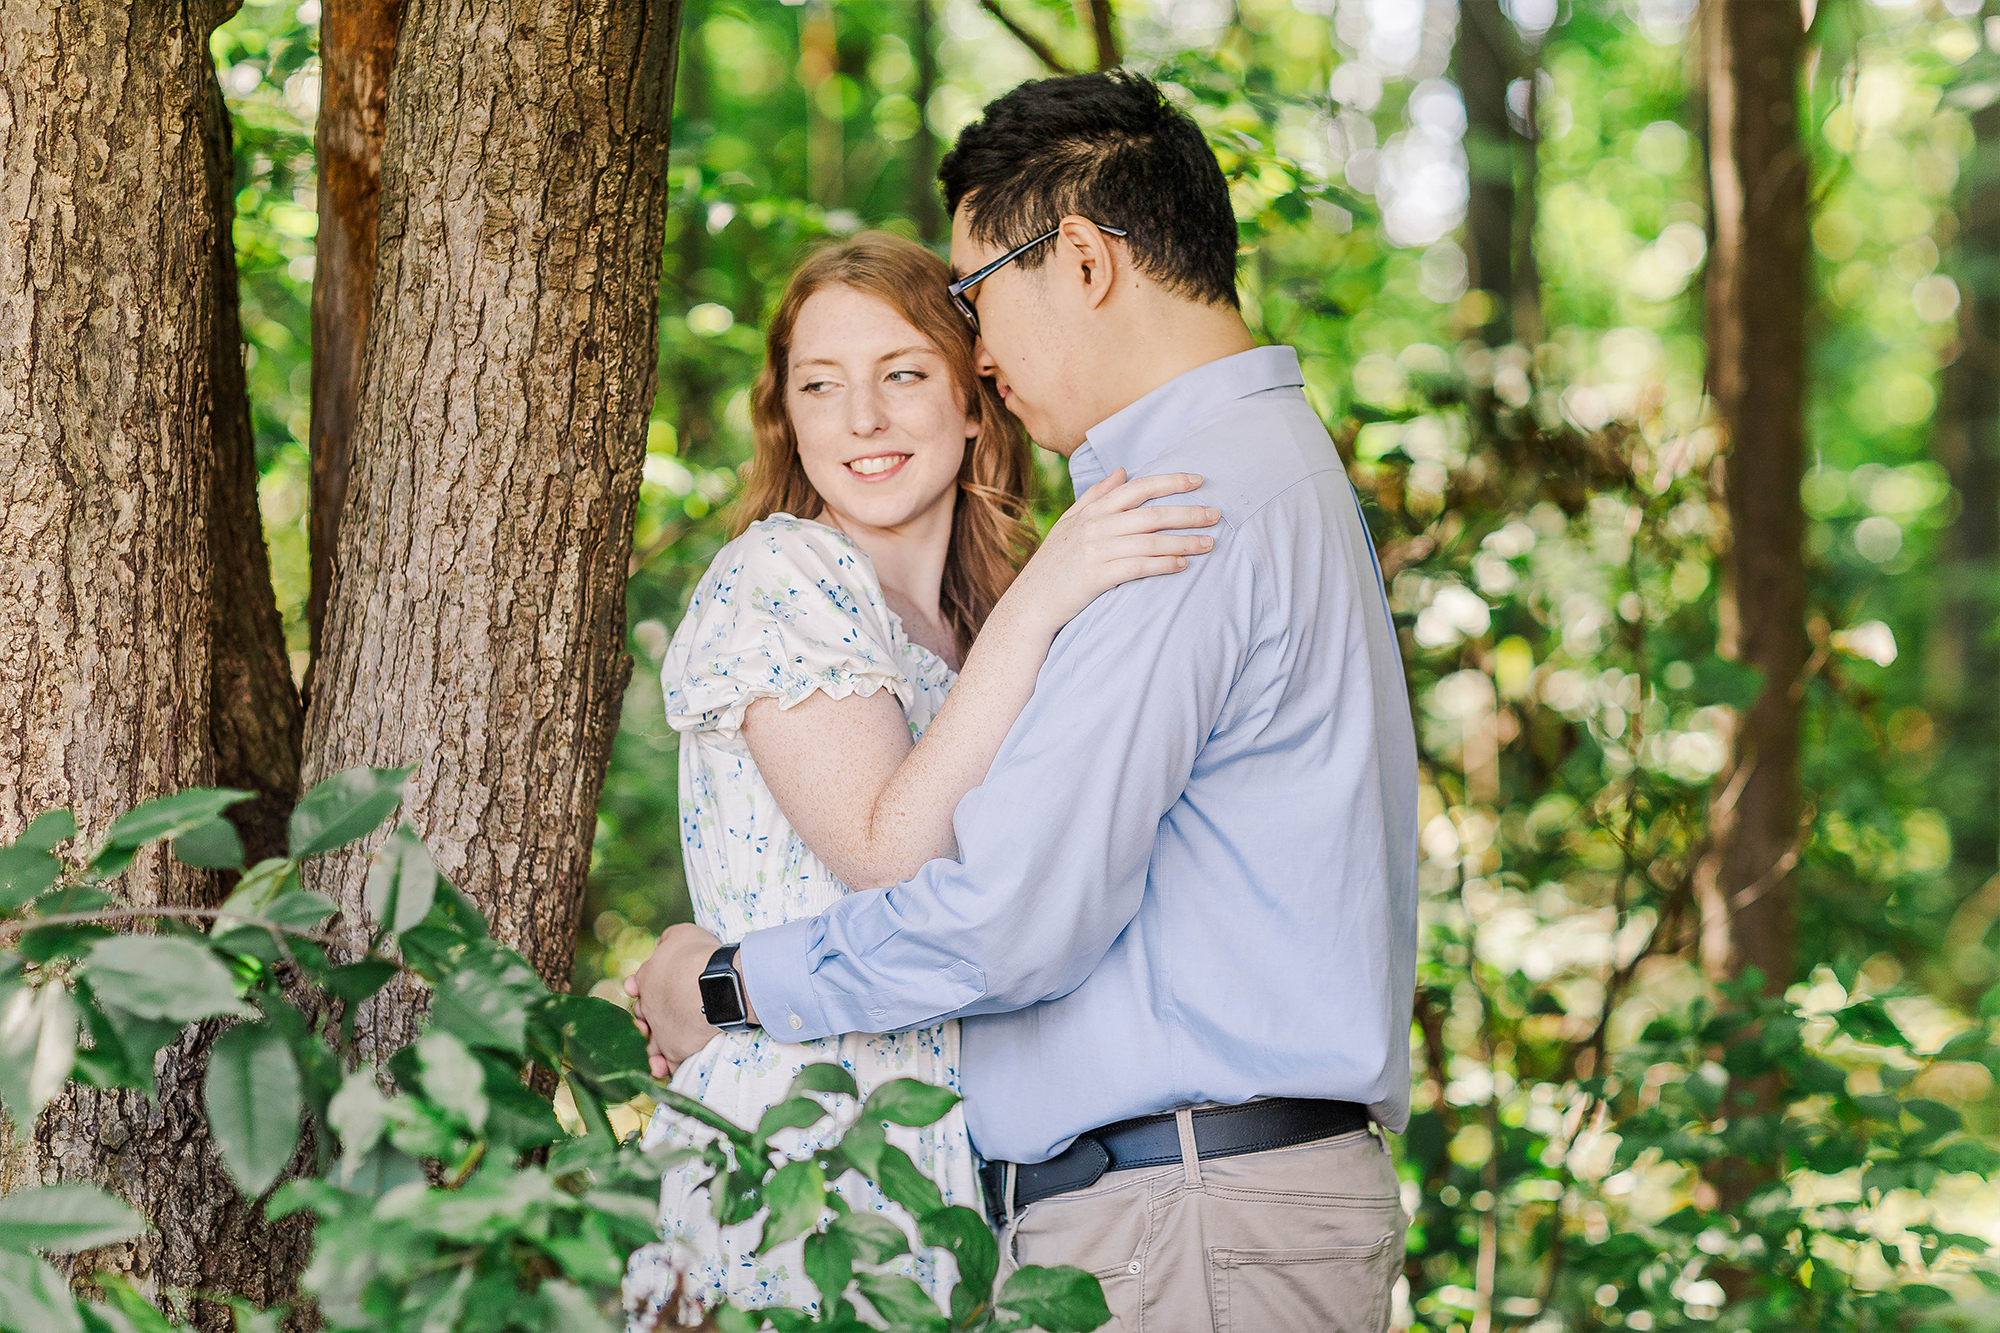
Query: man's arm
x=1054, y=845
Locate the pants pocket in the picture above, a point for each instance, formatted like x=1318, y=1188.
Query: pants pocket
x=1332, y=1289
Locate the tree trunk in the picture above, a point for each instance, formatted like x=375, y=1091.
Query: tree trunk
x=140, y=649
x=357, y=40
x=1968, y=445
x=1103, y=32
x=476, y=626
x=926, y=209
x=1484, y=60
x=1756, y=343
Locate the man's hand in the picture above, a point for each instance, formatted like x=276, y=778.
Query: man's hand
x=667, y=988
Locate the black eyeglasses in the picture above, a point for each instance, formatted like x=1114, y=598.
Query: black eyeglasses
x=959, y=288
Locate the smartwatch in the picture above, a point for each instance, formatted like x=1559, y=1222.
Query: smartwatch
x=722, y=1002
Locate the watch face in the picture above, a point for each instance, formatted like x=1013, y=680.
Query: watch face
x=720, y=1002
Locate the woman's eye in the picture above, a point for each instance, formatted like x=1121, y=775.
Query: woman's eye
x=815, y=386
x=905, y=376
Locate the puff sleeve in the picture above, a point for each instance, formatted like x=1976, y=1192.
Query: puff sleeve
x=788, y=608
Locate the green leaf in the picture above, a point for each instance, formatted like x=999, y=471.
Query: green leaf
x=873, y=1237
x=906, y=1101
x=517, y=1117
x=485, y=999
x=64, y=1219
x=601, y=1045
x=792, y=1113
x=901, y=1301
x=900, y=1180
x=402, y=882
x=1719, y=680
x=47, y=831
x=254, y=1097
x=260, y=884
x=453, y=1078
x=38, y=1027
x=212, y=845
x=160, y=976
x=356, y=982
x=1870, y=1022
x=25, y=873
x=970, y=1240
x=1059, y=1300
x=301, y=910
x=823, y=1078
x=124, y=1043
x=1935, y=1116
x=735, y=1319
x=796, y=1196
x=359, y=1114
x=169, y=817
x=349, y=805
x=829, y=1265
x=34, y=1298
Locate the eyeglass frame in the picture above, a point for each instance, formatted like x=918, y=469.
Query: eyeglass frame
x=958, y=289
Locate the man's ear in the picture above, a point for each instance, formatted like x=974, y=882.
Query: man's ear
x=1097, y=261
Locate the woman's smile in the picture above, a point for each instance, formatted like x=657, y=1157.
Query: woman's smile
x=877, y=467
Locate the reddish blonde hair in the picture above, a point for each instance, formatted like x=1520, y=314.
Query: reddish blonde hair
x=991, y=533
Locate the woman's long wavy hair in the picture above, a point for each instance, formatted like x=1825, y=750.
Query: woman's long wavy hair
x=991, y=533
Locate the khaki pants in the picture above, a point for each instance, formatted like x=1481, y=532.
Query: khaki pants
x=1307, y=1239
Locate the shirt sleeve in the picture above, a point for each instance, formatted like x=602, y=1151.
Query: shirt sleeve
x=784, y=610
x=1131, y=690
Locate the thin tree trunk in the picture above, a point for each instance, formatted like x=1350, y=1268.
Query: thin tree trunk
x=1103, y=32
x=1756, y=371
x=926, y=209
x=138, y=649
x=356, y=43
x=477, y=621
x=1965, y=659
x=1484, y=61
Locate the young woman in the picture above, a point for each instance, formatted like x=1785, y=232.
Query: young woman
x=885, y=527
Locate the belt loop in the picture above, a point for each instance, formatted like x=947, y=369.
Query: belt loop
x=1007, y=1191
x=1190, y=1154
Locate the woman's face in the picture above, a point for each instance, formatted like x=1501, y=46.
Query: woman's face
x=881, y=427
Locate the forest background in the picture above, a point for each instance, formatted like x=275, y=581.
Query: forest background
x=1490, y=229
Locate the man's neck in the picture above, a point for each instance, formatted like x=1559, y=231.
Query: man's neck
x=1157, y=351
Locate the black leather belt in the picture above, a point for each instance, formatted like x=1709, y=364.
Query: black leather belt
x=1154, y=1140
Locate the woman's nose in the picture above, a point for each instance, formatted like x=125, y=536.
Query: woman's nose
x=867, y=413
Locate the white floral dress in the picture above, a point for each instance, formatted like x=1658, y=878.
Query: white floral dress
x=789, y=608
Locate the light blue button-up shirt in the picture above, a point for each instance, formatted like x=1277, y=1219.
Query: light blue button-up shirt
x=1190, y=875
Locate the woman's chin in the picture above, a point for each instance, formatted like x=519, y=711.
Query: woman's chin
x=883, y=511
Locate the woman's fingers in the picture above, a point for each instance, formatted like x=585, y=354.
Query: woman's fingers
x=1105, y=487
x=1153, y=518
x=1156, y=544
x=1136, y=492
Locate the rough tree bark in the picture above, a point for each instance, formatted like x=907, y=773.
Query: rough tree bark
x=1484, y=60
x=357, y=41
x=140, y=649
x=1756, y=372
x=477, y=620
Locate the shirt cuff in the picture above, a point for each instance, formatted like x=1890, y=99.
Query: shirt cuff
x=777, y=973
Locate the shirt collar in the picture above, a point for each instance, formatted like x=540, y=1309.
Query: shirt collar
x=1138, y=433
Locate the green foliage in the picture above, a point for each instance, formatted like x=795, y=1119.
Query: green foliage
x=446, y=1194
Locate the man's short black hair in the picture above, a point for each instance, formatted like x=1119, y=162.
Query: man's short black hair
x=1108, y=147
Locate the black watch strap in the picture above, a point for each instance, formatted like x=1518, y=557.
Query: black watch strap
x=722, y=1002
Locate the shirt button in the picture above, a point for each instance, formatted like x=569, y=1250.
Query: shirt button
x=797, y=1022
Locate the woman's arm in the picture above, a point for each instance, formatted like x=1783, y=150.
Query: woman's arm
x=872, y=806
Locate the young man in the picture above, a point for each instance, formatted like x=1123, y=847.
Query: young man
x=1181, y=930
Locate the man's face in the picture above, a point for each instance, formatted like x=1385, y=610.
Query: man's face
x=1021, y=340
